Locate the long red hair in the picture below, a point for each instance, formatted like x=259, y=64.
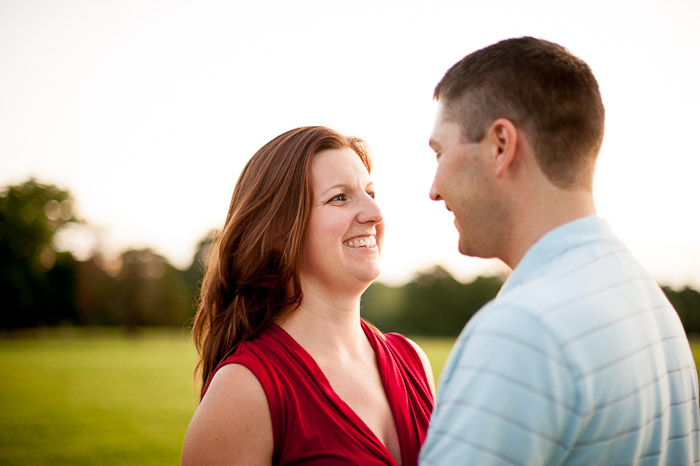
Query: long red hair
x=253, y=273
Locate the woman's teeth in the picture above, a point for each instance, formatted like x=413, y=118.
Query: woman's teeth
x=368, y=242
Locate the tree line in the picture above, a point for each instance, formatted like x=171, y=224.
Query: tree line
x=43, y=286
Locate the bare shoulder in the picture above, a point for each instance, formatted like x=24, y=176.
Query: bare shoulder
x=426, y=364
x=232, y=423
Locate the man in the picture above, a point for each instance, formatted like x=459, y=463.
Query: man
x=580, y=359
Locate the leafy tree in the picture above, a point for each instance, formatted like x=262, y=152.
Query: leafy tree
x=95, y=289
x=433, y=303
x=687, y=304
x=200, y=261
x=35, y=278
x=150, y=291
x=381, y=305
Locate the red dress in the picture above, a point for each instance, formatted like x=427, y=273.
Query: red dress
x=311, y=425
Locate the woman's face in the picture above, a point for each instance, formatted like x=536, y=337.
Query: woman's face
x=344, y=236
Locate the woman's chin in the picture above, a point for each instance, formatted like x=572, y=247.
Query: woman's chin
x=369, y=276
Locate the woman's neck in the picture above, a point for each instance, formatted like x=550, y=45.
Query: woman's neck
x=326, y=324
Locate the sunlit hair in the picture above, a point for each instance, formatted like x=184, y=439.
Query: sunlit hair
x=541, y=88
x=253, y=274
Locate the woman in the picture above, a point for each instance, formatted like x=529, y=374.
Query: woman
x=290, y=372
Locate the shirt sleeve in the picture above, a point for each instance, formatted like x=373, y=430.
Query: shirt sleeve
x=506, y=396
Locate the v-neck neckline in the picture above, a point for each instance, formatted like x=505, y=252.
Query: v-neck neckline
x=345, y=408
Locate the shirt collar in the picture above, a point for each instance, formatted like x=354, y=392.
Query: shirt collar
x=553, y=244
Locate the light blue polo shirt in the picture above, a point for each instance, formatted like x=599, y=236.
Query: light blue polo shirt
x=580, y=360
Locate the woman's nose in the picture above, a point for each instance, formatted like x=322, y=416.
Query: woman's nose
x=370, y=211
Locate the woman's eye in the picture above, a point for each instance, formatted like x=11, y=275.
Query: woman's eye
x=371, y=194
x=339, y=197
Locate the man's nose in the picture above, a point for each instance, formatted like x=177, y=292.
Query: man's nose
x=434, y=195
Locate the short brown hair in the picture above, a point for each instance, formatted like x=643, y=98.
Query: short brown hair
x=544, y=90
x=253, y=274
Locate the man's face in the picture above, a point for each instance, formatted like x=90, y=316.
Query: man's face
x=464, y=181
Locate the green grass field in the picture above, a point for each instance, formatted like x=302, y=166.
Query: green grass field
x=97, y=397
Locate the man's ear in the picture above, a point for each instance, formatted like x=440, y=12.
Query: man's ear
x=503, y=138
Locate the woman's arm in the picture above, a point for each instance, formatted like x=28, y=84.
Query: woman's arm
x=426, y=365
x=232, y=423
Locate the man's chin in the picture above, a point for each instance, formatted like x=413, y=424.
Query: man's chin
x=468, y=250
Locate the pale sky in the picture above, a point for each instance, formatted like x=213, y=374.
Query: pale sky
x=147, y=110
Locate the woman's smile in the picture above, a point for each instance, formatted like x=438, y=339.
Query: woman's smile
x=362, y=242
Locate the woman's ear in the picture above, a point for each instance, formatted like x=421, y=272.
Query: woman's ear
x=503, y=137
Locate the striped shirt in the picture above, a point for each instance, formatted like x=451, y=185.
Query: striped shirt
x=579, y=360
